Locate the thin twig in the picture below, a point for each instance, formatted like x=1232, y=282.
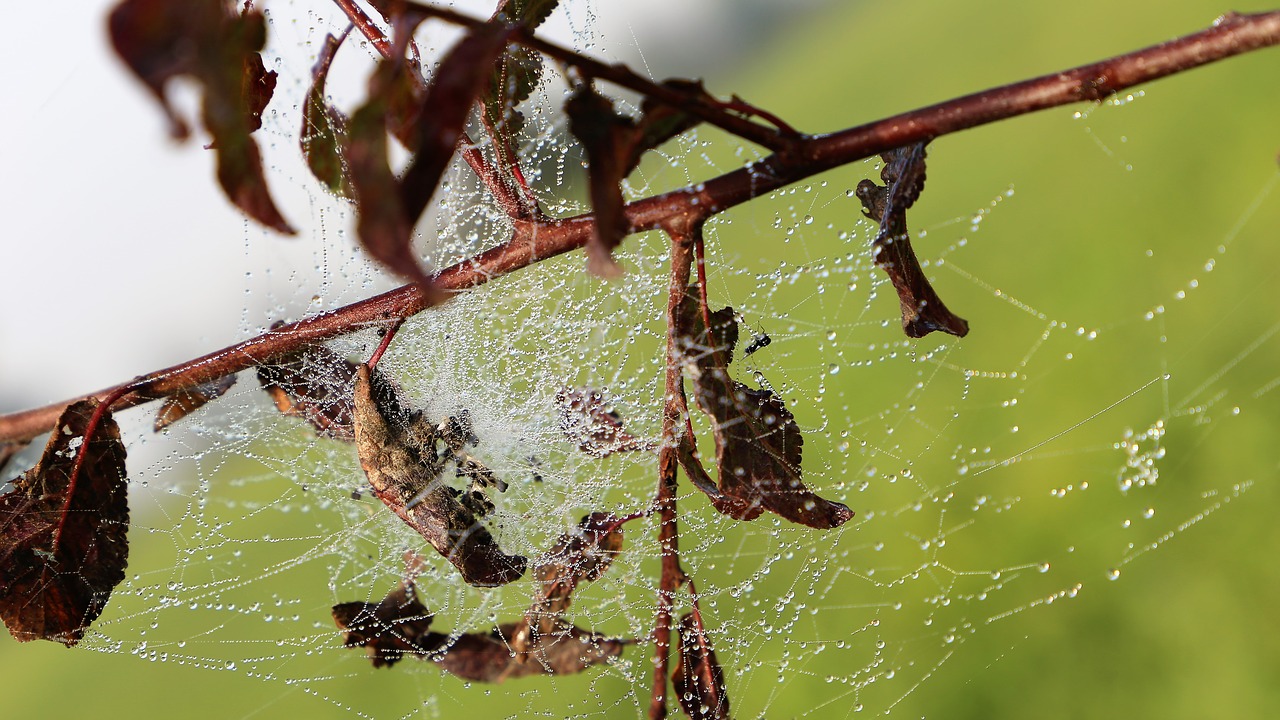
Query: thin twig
x=532, y=242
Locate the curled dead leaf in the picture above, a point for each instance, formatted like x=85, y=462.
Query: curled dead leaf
x=209, y=42
x=904, y=174
x=398, y=452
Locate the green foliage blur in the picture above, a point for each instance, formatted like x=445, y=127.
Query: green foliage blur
x=1112, y=214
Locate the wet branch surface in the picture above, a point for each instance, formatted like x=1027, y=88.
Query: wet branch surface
x=535, y=240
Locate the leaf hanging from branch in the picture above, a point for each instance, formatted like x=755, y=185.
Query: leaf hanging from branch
x=614, y=145
x=399, y=456
x=758, y=443
x=515, y=75
x=591, y=423
x=182, y=404
x=698, y=679
x=219, y=48
x=582, y=555
x=922, y=310
x=324, y=128
x=316, y=384
x=63, y=531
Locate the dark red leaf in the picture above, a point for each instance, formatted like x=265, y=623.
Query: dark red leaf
x=579, y=556
x=590, y=422
x=698, y=679
x=324, y=128
x=922, y=310
x=259, y=85
x=758, y=443
x=400, y=457
x=63, y=533
x=517, y=72
x=182, y=404
x=209, y=42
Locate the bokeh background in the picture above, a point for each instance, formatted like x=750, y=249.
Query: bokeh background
x=121, y=256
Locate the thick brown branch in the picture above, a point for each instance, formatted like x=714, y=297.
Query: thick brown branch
x=533, y=242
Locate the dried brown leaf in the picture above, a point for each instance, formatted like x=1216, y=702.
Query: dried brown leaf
x=582, y=555
x=219, y=48
x=698, y=679
x=399, y=456
x=904, y=174
x=590, y=422
x=316, y=384
x=758, y=443
x=182, y=404
x=63, y=532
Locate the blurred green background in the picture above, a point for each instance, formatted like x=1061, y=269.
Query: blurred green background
x=1112, y=214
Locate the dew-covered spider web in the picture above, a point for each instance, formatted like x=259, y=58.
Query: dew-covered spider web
x=1064, y=503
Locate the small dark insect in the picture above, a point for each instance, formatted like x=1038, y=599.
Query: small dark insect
x=758, y=340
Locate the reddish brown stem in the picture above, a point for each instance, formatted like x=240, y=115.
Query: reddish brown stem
x=674, y=421
x=533, y=242
x=700, y=252
x=386, y=342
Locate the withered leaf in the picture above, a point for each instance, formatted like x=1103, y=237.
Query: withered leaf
x=219, y=48
x=399, y=625
x=589, y=422
x=182, y=404
x=582, y=555
x=63, y=533
x=387, y=630
x=698, y=679
x=904, y=174
x=316, y=384
x=400, y=458
x=758, y=443
x=614, y=144
x=324, y=128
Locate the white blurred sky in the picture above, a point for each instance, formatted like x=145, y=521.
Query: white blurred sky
x=121, y=255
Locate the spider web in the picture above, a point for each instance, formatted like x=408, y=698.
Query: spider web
x=1117, y=396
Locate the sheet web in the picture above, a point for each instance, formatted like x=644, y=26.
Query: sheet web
x=995, y=479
